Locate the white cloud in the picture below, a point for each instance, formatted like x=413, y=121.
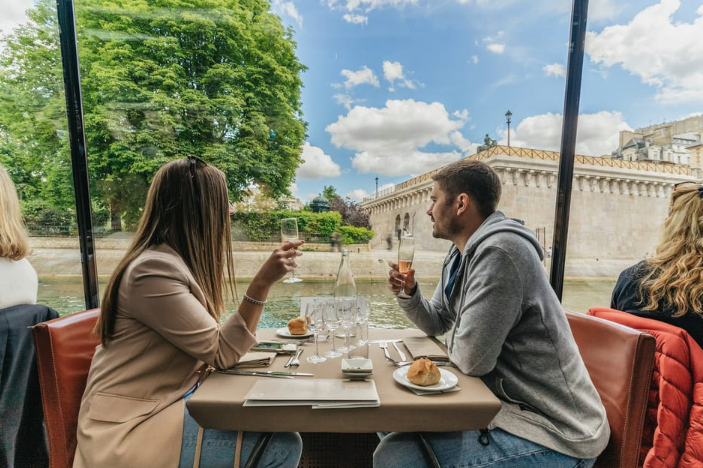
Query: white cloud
x=597, y=133
x=389, y=140
x=393, y=73
x=316, y=164
x=344, y=100
x=357, y=195
x=474, y=59
x=356, y=19
x=555, y=69
x=662, y=52
x=13, y=14
x=496, y=48
x=363, y=76
x=368, y=5
x=462, y=114
x=287, y=8
x=602, y=10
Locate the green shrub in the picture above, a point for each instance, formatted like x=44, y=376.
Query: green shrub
x=355, y=235
x=266, y=226
x=45, y=220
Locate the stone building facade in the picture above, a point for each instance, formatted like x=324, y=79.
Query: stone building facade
x=617, y=207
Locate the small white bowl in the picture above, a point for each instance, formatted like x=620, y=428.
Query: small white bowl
x=357, y=365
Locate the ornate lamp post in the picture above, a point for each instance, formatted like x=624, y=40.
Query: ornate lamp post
x=508, y=115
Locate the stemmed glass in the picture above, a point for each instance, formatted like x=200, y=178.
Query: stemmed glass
x=346, y=312
x=406, y=254
x=315, y=317
x=289, y=233
x=332, y=321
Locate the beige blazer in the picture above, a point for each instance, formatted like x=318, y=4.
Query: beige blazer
x=132, y=410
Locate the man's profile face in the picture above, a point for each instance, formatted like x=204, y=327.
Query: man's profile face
x=442, y=214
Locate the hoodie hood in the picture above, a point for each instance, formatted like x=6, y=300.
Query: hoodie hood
x=498, y=222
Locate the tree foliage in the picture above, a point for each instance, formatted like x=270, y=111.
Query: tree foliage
x=351, y=211
x=161, y=79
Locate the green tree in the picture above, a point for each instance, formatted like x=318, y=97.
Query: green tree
x=165, y=78
x=33, y=137
x=329, y=192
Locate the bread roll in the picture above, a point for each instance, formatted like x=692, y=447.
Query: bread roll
x=297, y=326
x=423, y=372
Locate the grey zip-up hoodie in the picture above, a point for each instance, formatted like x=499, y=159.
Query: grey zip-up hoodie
x=507, y=327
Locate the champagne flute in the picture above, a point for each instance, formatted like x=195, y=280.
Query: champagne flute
x=314, y=316
x=346, y=312
x=289, y=233
x=332, y=321
x=406, y=254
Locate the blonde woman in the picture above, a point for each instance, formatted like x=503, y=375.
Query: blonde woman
x=18, y=280
x=159, y=326
x=668, y=286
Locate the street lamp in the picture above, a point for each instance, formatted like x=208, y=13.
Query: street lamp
x=507, y=119
x=376, y=187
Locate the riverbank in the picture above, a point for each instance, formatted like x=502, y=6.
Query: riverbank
x=60, y=257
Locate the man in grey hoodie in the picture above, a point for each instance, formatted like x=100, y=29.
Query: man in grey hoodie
x=505, y=325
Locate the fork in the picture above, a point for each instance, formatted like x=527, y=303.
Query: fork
x=384, y=346
x=296, y=361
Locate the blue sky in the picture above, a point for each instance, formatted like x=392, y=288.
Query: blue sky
x=395, y=88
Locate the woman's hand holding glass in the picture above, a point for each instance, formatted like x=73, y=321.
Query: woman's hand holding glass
x=315, y=317
x=280, y=263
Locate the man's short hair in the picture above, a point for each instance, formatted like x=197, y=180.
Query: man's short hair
x=474, y=178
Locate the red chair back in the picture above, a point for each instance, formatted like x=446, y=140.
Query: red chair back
x=619, y=360
x=65, y=348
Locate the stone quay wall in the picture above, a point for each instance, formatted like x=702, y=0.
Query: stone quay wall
x=53, y=257
x=617, y=207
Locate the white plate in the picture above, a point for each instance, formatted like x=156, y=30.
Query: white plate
x=447, y=380
x=287, y=334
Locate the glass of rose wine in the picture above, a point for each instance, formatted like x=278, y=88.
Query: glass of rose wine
x=289, y=232
x=406, y=253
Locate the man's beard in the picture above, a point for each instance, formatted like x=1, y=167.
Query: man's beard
x=446, y=231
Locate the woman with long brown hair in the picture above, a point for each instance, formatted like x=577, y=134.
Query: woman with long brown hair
x=668, y=286
x=160, y=326
x=18, y=280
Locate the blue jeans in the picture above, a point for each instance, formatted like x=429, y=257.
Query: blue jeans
x=283, y=450
x=469, y=449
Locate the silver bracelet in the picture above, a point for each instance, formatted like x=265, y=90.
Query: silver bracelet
x=254, y=301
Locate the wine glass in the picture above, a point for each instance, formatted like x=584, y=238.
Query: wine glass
x=314, y=316
x=332, y=321
x=289, y=233
x=346, y=312
x=406, y=254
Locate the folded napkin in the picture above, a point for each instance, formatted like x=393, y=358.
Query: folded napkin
x=255, y=360
x=425, y=347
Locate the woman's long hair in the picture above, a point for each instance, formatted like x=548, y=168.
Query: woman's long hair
x=13, y=237
x=675, y=273
x=187, y=208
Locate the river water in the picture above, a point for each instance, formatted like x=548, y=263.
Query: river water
x=66, y=296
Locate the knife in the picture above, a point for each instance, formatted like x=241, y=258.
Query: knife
x=402, y=354
x=387, y=341
x=278, y=374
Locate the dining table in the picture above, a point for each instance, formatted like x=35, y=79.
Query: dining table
x=219, y=401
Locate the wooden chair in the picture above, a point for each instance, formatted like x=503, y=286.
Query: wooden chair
x=65, y=348
x=619, y=360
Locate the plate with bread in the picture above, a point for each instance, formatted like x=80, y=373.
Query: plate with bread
x=297, y=328
x=423, y=374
